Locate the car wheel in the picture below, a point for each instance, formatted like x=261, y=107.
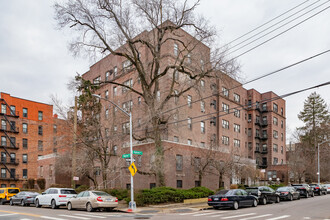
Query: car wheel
x=53, y=204
x=277, y=199
x=255, y=203
x=264, y=201
x=2, y=202
x=11, y=202
x=235, y=205
x=298, y=197
x=22, y=202
x=290, y=197
x=312, y=194
x=69, y=206
x=89, y=207
x=307, y=195
x=216, y=207
x=37, y=203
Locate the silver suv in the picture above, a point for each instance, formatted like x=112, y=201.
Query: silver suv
x=55, y=197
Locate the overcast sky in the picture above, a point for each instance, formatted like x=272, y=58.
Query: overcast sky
x=35, y=62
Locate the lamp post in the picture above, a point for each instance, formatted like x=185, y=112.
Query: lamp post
x=132, y=204
x=318, y=161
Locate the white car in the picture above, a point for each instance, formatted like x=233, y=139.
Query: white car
x=327, y=186
x=55, y=197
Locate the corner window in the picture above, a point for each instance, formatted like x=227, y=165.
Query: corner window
x=40, y=115
x=25, y=112
x=179, y=162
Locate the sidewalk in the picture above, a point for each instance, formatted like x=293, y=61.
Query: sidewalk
x=167, y=208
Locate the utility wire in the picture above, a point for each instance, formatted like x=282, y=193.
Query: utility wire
x=272, y=30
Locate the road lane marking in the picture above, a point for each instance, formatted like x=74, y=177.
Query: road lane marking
x=94, y=216
x=221, y=214
x=25, y=219
x=70, y=216
x=20, y=213
x=8, y=214
x=280, y=217
x=254, y=217
x=235, y=216
x=52, y=218
x=209, y=213
x=192, y=213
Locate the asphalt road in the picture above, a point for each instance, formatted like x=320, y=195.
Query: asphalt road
x=311, y=208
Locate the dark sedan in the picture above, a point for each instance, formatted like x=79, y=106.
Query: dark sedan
x=233, y=198
x=318, y=189
x=265, y=194
x=288, y=193
x=304, y=190
x=23, y=198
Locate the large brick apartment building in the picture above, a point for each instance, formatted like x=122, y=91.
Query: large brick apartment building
x=231, y=122
x=31, y=137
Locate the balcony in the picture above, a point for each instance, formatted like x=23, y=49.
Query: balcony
x=10, y=146
x=264, y=151
x=10, y=162
x=264, y=123
x=9, y=177
x=9, y=129
x=263, y=166
x=258, y=122
x=257, y=150
x=264, y=109
x=264, y=137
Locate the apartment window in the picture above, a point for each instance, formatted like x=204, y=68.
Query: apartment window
x=257, y=133
x=55, y=128
x=3, y=125
x=97, y=80
x=115, y=150
x=189, y=142
x=225, y=140
x=202, y=127
x=40, y=130
x=179, y=184
x=237, y=128
x=158, y=95
x=275, y=148
x=107, y=74
x=225, y=124
x=275, y=134
x=3, y=174
x=225, y=108
x=237, y=143
x=189, y=101
x=115, y=71
x=4, y=141
x=176, y=75
x=12, y=110
x=203, y=144
x=264, y=106
x=275, y=121
x=107, y=132
x=202, y=84
x=249, y=132
x=127, y=83
x=25, y=173
x=3, y=157
x=275, y=161
x=12, y=157
x=13, y=141
x=189, y=58
x=176, y=139
x=40, y=115
x=189, y=123
x=237, y=113
x=125, y=128
x=54, y=141
x=139, y=100
x=127, y=65
x=25, y=128
x=106, y=94
x=281, y=149
x=25, y=158
x=3, y=109
x=176, y=97
x=249, y=117
x=282, y=124
x=115, y=128
x=264, y=147
x=237, y=98
x=179, y=162
x=257, y=147
x=202, y=106
x=25, y=143
x=115, y=91
x=25, y=112
x=282, y=111
x=176, y=49
x=197, y=163
x=40, y=146
x=225, y=91
x=264, y=133
x=107, y=113
x=97, y=171
x=264, y=120
x=275, y=107
x=214, y=104
x=249, y=103
x=202, y=65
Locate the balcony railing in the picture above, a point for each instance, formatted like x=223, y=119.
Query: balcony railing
x=10, y=161
x=264, y=151
x=9, y=177
x=9, y=145
x=264, y=137
x=264, y=123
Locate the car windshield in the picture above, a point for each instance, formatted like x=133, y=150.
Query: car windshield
x=222, y=192
x=283, y=189
x=98, y=193
x=13, y=191
x=68, y=191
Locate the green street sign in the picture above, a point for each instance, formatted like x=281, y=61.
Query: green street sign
x=126, y=156
x=137, y=152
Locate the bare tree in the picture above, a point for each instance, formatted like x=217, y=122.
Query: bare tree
x=139, y=31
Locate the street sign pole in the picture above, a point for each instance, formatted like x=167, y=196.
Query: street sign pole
x=132, y=204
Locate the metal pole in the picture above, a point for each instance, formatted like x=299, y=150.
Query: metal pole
x=132, y=204
x=73, y=183
x=318, y=164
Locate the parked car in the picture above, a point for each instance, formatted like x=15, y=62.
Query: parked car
x=288, y=193
x=304, y=190
x=265, y=194
x=233, y=198
x=55, y=197
x=327, y=186
x=91, y=200
x=318, y=189
x=7, y=193
x=23, y=198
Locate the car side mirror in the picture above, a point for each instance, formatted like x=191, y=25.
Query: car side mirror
x=74, y=196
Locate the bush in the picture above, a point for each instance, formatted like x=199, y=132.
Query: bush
x=30, y=183
x=41, y=183
x=82, y=188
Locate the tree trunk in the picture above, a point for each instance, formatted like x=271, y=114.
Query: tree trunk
x=159, y=154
